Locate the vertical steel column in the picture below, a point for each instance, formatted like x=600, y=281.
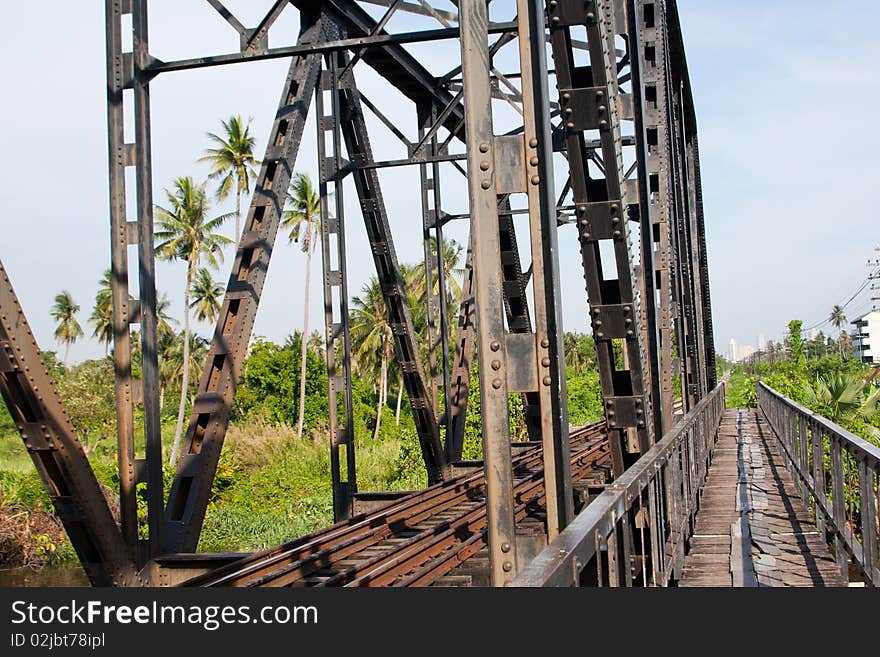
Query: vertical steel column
x=549, y=351
x=429, y=219
x=462, y=362
x=120, y=156
x=406, y=348
x=635, y=20
x=682, y=249
x=708, y=328
x=653, y=37
x=491, y=341
x=441, y=282
x=336, y=280
x=590, y=100
x=694, y=249
x=147, y=278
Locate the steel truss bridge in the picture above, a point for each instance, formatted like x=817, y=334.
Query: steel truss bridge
x=565, y=113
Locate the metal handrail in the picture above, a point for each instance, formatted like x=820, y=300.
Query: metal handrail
x=809, y=440
x=651, y=505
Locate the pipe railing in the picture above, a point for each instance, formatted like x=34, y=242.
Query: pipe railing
x=636, y=531
x=837, y=475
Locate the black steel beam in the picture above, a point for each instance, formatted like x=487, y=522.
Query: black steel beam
x=406, y=348
x=51, y=442
x=191, y=488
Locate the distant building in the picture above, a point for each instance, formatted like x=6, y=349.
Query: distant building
x=745, y=352
x=866, y=337
x=733, y=354
x=762, y=342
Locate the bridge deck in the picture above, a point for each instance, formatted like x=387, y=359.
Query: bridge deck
x=753, y=529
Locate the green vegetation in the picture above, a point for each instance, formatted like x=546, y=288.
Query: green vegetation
x=814, y=374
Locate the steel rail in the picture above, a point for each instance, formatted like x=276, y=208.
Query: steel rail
x=384, y=568
x=528, y=493
x=375, y=527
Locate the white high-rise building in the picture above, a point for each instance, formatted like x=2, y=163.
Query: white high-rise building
x=762, y=342
x=866, y=337
x=733, y=355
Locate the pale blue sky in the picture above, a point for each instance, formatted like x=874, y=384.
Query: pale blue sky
x=785, y=93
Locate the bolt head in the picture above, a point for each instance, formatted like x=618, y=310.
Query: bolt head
x=507, y=566
x=545, y=343
x=534, y=161
x=496, y=365
x=484, y=165
x=505, y=547
x=495, y=346
x=496, y=384
x=484, y=147
x=485, y=184
x=603, y=124
x=533, y=142
x=545, y=362
x=547, y=380
x=536, y=180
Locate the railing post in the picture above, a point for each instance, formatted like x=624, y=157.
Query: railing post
x=803, y=460
x=819, y=480
x=837, y=498
x=869, y=521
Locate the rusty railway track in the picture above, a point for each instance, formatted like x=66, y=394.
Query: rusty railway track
x=432, y=537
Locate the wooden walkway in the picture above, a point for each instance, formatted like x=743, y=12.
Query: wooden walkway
x=752, y=528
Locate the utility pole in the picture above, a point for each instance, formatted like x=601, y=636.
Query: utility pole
x=874, y=276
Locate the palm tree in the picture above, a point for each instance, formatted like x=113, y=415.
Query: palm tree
x=452, y=271
x=101, y=318
x=316, y=343
x=64, y=312
x=373, y=339
x=102, y=313
x=572, y=352
x=838, y=320
x=232, y=163
x=841, y=398
x=185, y=232
x=163, y=319
x=207, y=296
x=168, y=369
x=303, y=218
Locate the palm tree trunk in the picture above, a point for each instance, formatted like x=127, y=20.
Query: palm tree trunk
x=237, y=216
x=383, y=385
x=399, y=396
x=178, y=431
x=304, y=344
x=66, y=352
